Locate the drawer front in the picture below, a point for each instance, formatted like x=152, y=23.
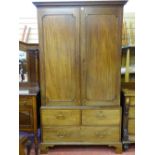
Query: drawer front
x=25, y=118
x=100, y=134
x=101, y=117
x=81, y=134
x=132, y=100
x=60, y=117
x=131, y=126
x=25, y=100
x=61, y=134
x=132, y=112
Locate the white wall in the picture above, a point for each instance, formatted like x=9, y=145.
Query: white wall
x=130, y=6
x=27, y=9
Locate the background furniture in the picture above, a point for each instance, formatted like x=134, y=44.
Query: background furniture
x=80, y=46
x=29, y=93
x=128, y=134
x=29, y=111
x=24, y=143
x=128, y=81
x=128, y=95
x=29, y=63
x=128, y=64
x=25, y=146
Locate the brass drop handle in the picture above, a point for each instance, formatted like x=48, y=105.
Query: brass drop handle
x=24, y=102
x=100, y=134
x=100, y=115
x=61, y=135
x=60, y=116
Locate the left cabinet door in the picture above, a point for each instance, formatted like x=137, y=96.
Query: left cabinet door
x=59, y=45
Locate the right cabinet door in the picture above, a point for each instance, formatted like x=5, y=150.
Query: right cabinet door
x=100, y=55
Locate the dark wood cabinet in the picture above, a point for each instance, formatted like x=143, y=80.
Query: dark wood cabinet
x=80, y=61
x=25, y=117
x=28, y=64
x=128, y=105
x=29, y=104
x=29, y=91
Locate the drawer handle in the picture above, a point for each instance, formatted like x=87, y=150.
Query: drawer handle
x=62, y=135
x=100, y=115
x=60, y=116
x=101, y=134
x=24, y=102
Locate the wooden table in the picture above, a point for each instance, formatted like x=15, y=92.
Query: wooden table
x=29, y=111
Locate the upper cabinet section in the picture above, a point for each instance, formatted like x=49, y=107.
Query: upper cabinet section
x=80, y=52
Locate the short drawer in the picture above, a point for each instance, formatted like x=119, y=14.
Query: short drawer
x=132, y=112
x=61, y=134
x=101, y=117
x=131, y=126
x=25, y=100
x=60, y=117
x=100, y=134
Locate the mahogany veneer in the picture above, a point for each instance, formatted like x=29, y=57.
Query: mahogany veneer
x=80, y=60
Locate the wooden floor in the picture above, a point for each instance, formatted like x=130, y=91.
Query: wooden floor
x=86, y=150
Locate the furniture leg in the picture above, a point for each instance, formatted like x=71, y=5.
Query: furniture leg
x=36, y=137
x=118, y=148
x=43, y=149
x=125, y=146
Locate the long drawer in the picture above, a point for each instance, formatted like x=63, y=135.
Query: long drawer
x=101, y=117
x=50, y=117
x=81, y=134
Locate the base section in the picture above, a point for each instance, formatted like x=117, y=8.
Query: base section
x=45, y=146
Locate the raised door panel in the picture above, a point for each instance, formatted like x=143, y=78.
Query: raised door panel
x=60, y=32
x=101, y=42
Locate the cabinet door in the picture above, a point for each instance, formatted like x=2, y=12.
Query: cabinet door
x=101, y=53
x=59, y=37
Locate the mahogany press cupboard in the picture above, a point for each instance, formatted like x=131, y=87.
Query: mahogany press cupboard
x=80, y=60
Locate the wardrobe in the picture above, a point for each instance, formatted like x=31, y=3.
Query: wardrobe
x=80, y=60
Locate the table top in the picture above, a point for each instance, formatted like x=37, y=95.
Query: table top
x=28, y=91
